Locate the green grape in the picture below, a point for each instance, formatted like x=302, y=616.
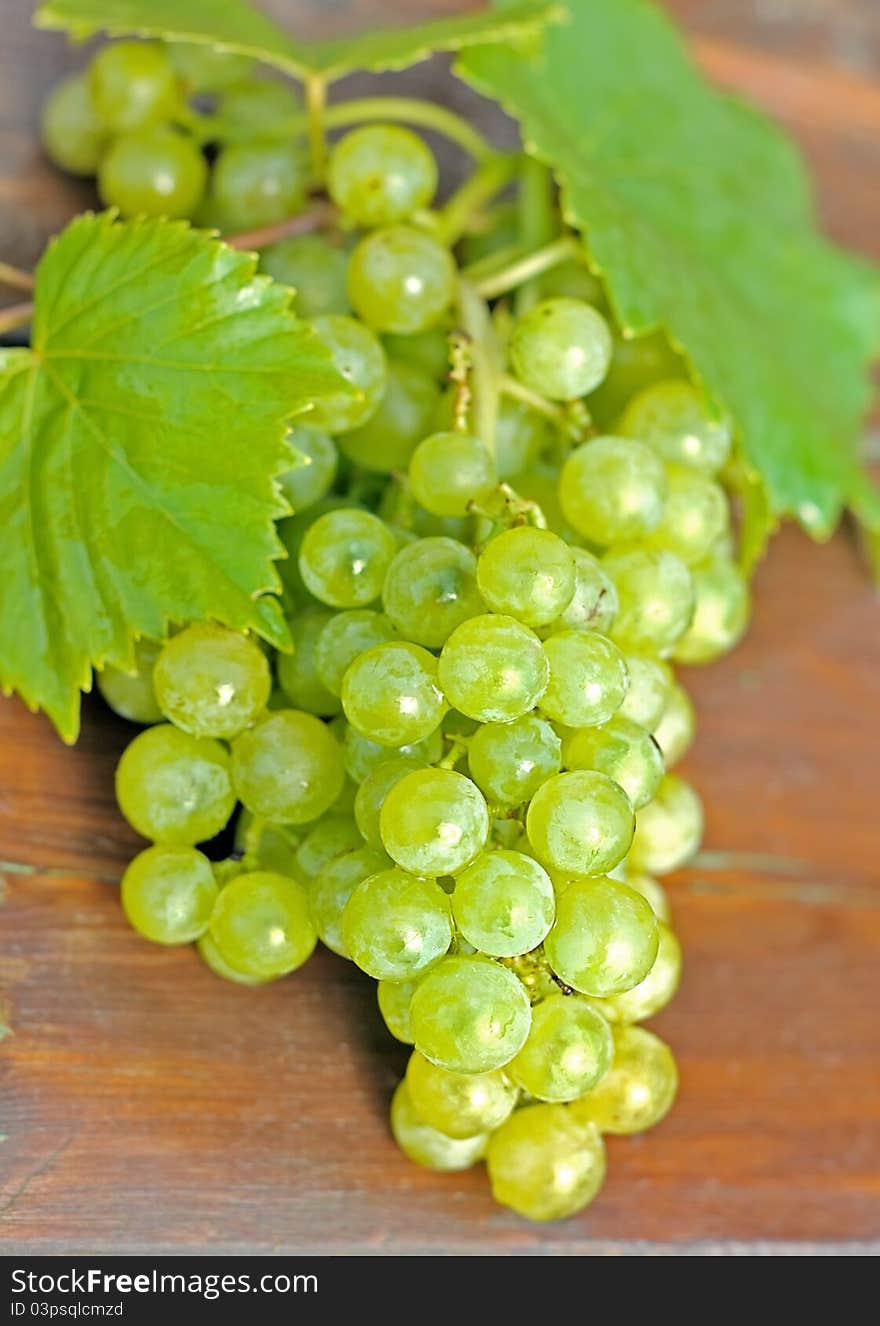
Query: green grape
x=580, y=823
x=395, y=926
x=543, y=1165
x=390, y=694
x=509, y=761
x=721, y=613
x=288, y=768
x=291, y=531
x=313, y=475
x=394, y=998
x=380, y=174
x=675, y=420
x=168, y=894
x=215, y=961
x=573, y=280
x=588, y=678
x=504, y=903
x=655, y=991
x=605, y=937
x=374, y=789
x=401, y=280
x=528, y=574
x=459, y=1104
x=357, y=355
x=677, y=726
x=521, y=434
x=314, y=268
x=612, y=490
x=561, y=348
x=211, y=681
x=424, y=1144
x=256, y=110
x=593, y=605
x=624, y=751
x=427, y=350
x=344, y=638
x=259, y=183
x=73, y=134
x=450, y=472
x=362, y=756
x=387, y=440
x=653, y=891
x=261, y=924
x=636, y=361
x=695, y=516
x=269, y=846
x=493, y=668
x=131, y=694
x=155, y=172
x=430, y=589
x=470, y=1015
x=638, y=1089
x=656, y=598
x=433, y=822
x=173, y=787
x=330, y=837
x=298, y=671
x=133, y=85
x=650, y=686
x=568, y=1051
x=208, y=68
x=344, y=556
x=669, y=830
x=334, y=885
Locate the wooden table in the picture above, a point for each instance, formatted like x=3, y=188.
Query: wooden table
x=150, y=1107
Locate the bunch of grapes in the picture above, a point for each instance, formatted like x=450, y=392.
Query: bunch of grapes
x=459, y=779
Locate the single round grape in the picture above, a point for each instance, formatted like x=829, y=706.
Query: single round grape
x=588, y=678
x=401, y=280
x=268, y=846
x=528, y=574
x=433, y=822
x=638, y=1089
x=394, y=998
x=624, y=751
x=493, y=669
x=288, y=768
x=390, y=694
x=612, y=490
x=669, y=830
x=470, y=1015
x=405, y=414
x=636, y=361
x=131, y=694
x=426, y=1145
x=262, y=926
x=208, y=68
x=211, y=681
x=449, y=472
x=504, y=903
x=344, y=638
x=430, y=589
x=215, y=961
x=655, y=991
x=334, y=885
x=605, y=937
x=168, y=894
x=677, y=726
x=580, y=823
x=653, y=891
x=459, y=1104
x=313, y=475
x=380, y=174
x=344, y=557
x=656, y=592
x=593, y=605
x=427, y=350
x=259, y=183
x=74, y=135
x=675, y=420
x=721, y=613
x=173, y=787
x=154, y=172
x=362, y=756
x=509, y=761
x=133, y=85
x=256, y=110
x=650, y=686
x=543, y=1165
x=395, y=926
x=374, y=789
x=357, y=355
x=694, y=518
x=328, y=838
x=521, y=434
x=561, y=348
x=298, y=674
x=568, y=1051
x=315, y=268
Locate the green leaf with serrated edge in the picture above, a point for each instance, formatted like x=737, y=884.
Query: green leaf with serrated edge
x=237, y=27
x=139, y=440
x=696, y=212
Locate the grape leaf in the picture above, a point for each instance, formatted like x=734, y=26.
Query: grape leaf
x=697, y=214
x=139, y=440
x=237, y=27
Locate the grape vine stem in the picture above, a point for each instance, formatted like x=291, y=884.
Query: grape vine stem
x=16, y=315
x=489, y=179
x=524, y=269
x=15, y=277
x=319, y=217
x=426, y=114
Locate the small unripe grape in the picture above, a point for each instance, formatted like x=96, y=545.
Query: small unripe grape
x=450, y=472
x=669, y=829
x=433, y=822
x=391, y=695
x=380, y=174
x=638, y=1089
x=211, y=681
x=154, y=172
x=288, y=768
x=74, y=135
x=133, y=85
x=493, y=669
x=568, y=1051
x=605, y=937
x=459, y=1104
x=131, y=694
x=173, y=787
x=401, y=280
x=315, y=268
x=358, y=357
x=543, y=1164
x=675, y=420
x=580, y=823
x=528, y=574
x=427, y=1146
x=612, y=490
x=262, y=926
x=168, y=894
x=561, y=348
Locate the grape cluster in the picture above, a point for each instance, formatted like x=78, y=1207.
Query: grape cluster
x=459, y=778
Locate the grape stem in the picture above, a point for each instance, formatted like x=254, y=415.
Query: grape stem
x=567, y=419
x=524, y=269
x=456, y=752
x=459, y=374
x=412, y=111
x=486, y=366
x=15, y=277
x=321, y=216
x=16, y=315
x=315, y=89
x=253, y=836
x=488, y=179
x=537, y=224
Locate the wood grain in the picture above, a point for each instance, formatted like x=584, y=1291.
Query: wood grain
x=148, y=1106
